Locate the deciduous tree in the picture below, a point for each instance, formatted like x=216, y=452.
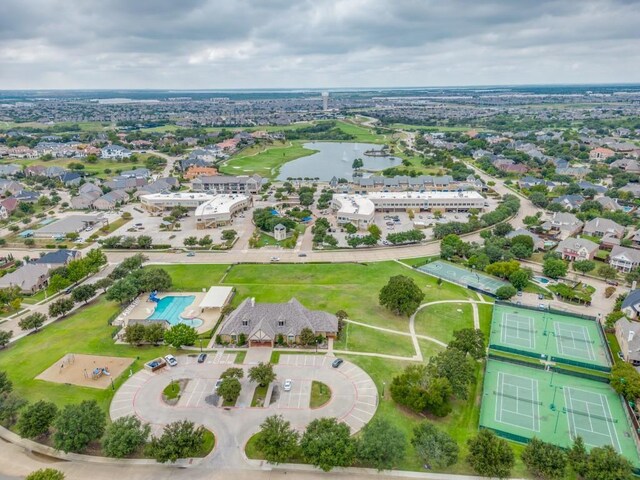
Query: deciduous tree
x=124, y=436
x=277, y=441
x=382, y=444
x=544, y=460
x=327, y=444
x=490, y=455
x=434, y=447
x=401, y=295
x=179, y=335
x=469, y=341
x=178, y=440
x=33, y=321
x=77, y=425
x=36, y=419
x=262, y=374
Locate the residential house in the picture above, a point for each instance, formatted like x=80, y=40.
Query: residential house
x=87, y=194
x=115, y=151
x=577, y=172
x=34, y=170
x=7, y=207
x=577, y=249
x=600, y=227
x=633, y=188
x=70, y=179
x=196, y=171
x=538, y=243
x=627, y=164
x=631, y=304
x=29, y=277
x=159, y=186
x=58, y=258
x=10, y=186
x=111, y=200
x=624, y=259
x=137, y=173
x=599, y=189
x=610, y=204
x=9, y=170
x=528, y=182
x=601, y=154
x=571, y=202
x=267, y=323
x=123, y=183
x=628, y=332
x=26, y=196
x=562, y=225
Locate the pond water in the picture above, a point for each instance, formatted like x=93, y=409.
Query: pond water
x=334, y=159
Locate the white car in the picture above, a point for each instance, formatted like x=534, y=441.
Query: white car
x=287, y=385
x=218, y=382
x=275, y=259
x=171, y=360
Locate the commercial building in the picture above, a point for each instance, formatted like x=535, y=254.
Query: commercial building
x=210, y=210
x=226, y=184
x=70, y=224
x=360, y=209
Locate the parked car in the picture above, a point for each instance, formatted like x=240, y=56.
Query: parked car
x=612, y=282
x=302, y=254
x=275, y=259
x=540, y=296
x=542, y=306
x=519, y=293
x=218, y=382
x=337, y=362
x=202, y=357
x=286, y=386
x=191, y=254
x=171, y=360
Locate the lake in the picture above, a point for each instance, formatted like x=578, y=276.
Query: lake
x=334, y=159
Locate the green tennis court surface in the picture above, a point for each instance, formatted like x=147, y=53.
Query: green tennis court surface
x=549, y=336
x=520, y=403
x=462, y=276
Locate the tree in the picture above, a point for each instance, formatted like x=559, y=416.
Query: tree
x=229, y=235
x=33, y=321
x=605, y=463
x=375, y=231
x=190, y=241
x=520, y=250
x=83, y=293
x=469, y=341
x=401, y=295
x=262, y=374
x=544, y=460
x=456, y=367
x=103, y=284
x=233, y=372
x=417, y=389
x=307, y=337
x=584, y=266
x=519, y=279
x=144, y=242
x=179, y=335
x=154, y=333
x=179, y=439
x=489, y=455
x=625, y=380
x=61, y=307
x=10, y=404
x=382, y=444
x=46, y=474
x=434, y=447
x=578, y=457
x=501, y=229
x=229, y=389
x=539, y=199
x=327, y=444
x=36, y=419
x=134, y=333
x=124, y=436
x=78, y=425
x=5, y=337
x=350, y=228
x=554, y=268
x=607, y=272
x=6, y=385
x=506, y=292
x=503, y=269
x=277, y=441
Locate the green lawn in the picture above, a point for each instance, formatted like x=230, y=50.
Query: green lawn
x=172, y=391
x=441, y=320
x=485, y=313
x=266, y=161
x=429, y=349
x=259, y=395
x=357, y=338
x=362, y=134
x=84, y=332
x=320, y=394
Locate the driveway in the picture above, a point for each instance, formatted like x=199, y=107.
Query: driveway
x=354, y=399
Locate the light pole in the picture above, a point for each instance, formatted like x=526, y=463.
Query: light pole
x=200, y=345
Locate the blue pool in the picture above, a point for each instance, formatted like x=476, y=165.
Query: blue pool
x=541, y=280
x=169, y=309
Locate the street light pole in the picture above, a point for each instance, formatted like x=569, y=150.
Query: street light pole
x=200, y=345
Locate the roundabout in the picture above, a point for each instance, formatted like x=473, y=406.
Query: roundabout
x=354, y=399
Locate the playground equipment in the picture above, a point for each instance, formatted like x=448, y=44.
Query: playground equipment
x=98, y=372
x=153, y=297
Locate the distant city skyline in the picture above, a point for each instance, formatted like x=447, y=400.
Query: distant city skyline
x=316, y=44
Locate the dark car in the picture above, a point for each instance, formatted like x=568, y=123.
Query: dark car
x=337, y=362
x=202, y=357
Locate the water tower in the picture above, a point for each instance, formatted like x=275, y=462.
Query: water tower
x=325, y=101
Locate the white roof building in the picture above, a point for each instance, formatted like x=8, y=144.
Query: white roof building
x=216, y=297
x=220, y=210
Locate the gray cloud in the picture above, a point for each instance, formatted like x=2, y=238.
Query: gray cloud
x=315, y=43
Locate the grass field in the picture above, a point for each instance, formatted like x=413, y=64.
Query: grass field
x=265, y=161
x=84, y=332
x=362, y=339
x=362, y=134
x=320, y=394
x=84, y=126
x=441, y=320
x=97, y=169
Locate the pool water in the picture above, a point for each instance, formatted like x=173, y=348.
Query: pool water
x=541, y=280
x=169, y=308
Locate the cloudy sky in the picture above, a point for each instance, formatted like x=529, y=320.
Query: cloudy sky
x=199, y=44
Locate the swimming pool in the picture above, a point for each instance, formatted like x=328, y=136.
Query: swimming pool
x=541, y=280
x=169, y=308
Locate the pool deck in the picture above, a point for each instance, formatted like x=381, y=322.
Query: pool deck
x=209, y=317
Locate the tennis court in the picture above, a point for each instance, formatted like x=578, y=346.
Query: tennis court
x=551, y=336
x=462, y=276
x=521, y=402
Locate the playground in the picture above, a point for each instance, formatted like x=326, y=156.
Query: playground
x=462, y=276
x=549, y=336
x=93, y=371
x=520, y=403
